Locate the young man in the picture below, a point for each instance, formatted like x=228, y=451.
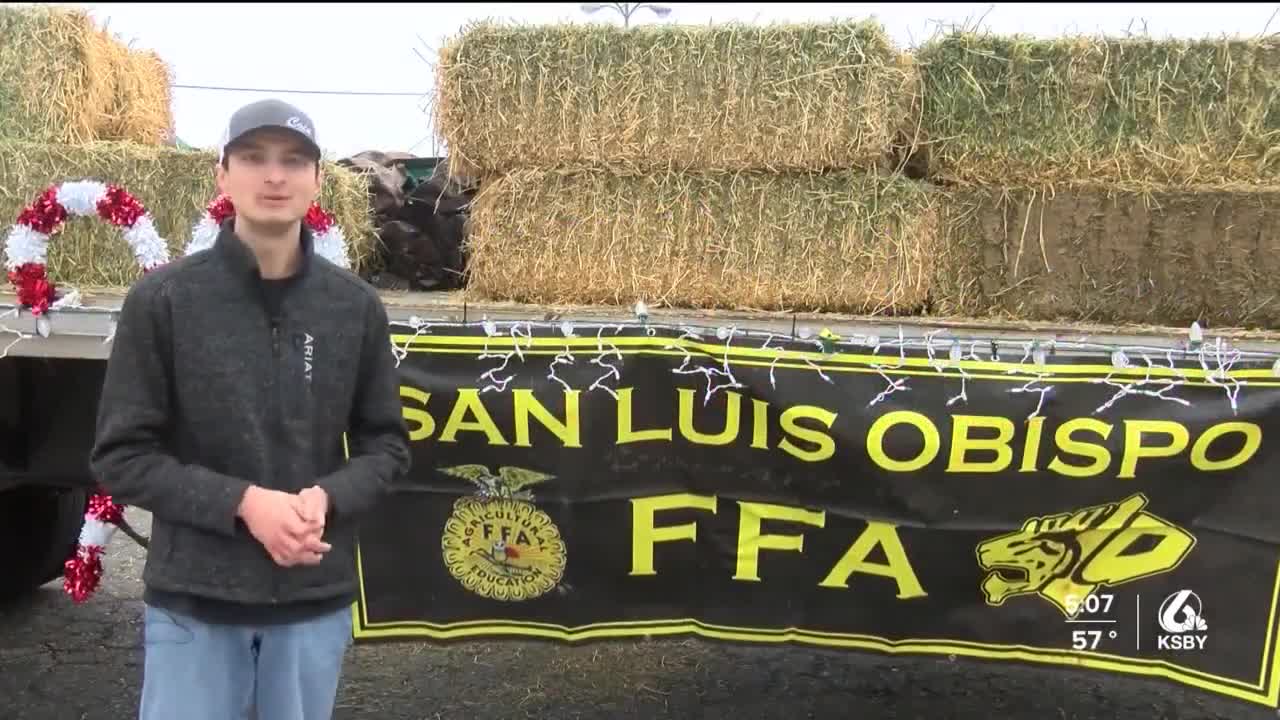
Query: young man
x=234, y=374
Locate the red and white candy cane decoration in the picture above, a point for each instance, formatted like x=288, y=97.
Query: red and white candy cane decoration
x=82, y=573
x=329, y=241
x=27, y=245
x=26, y=260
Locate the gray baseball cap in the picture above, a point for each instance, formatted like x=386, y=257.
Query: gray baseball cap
x=270, y=113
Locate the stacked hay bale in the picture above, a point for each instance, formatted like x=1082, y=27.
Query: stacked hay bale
x=77, y=104
x=725, y=166
x=1106, y=180
x=64, y=80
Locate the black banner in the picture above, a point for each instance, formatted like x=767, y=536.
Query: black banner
x=1113, y=512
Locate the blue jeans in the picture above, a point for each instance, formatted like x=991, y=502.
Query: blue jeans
x=197, y=671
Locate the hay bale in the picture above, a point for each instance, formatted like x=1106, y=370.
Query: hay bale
x=142, y=104
x=64, y=80
x=725, y=97
x=53, y=83
x=841, y=242
x=1101, y=254
x=174, y=185
x=1013, y=111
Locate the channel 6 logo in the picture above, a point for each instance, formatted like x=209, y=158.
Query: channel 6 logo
x=1181, y=616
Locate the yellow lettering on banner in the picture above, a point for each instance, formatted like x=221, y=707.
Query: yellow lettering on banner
x=625, y=432
x=569, y=430
x=1031, y=446
x=1115, y=562
x=1134, y=449
x=962, y=443
x=469, y=404
x=826, y=447
x=1067, y=444
x=760, y=424
x=420, y=422
x=881, y=427
x=751, y=540
x=644, y=534
x=1200, y=451
x=732, y=416
x=898, y=567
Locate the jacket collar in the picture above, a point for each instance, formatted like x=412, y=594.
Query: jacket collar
x=239, y=256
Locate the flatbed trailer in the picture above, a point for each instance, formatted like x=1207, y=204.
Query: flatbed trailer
x=51, y=371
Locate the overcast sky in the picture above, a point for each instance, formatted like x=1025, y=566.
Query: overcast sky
x=375, y=48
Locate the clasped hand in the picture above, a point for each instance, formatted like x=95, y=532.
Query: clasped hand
x=289, y=526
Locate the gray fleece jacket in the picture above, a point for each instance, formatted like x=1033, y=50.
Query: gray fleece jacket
x=210, y=389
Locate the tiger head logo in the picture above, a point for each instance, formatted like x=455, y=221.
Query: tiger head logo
x=1063, y=558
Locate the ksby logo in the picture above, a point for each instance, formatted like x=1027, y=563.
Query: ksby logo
x=1072, y=554
x=1182, y=612
x=1181, y=616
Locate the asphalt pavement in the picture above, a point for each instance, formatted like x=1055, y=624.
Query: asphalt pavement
x=62, y=661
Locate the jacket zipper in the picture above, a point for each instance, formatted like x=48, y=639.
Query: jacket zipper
x=275, y=388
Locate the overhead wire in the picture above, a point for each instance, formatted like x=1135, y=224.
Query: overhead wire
x=302, y=92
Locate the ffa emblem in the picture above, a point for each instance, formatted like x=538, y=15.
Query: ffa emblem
x=496, y=543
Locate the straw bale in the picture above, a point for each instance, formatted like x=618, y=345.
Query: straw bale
x=52, y=81
x=1094, y=253
x=1020, y=111
x=728, y=97
x=64, y=80
x=142, y=105
x=839, y=242
x=174, y=185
